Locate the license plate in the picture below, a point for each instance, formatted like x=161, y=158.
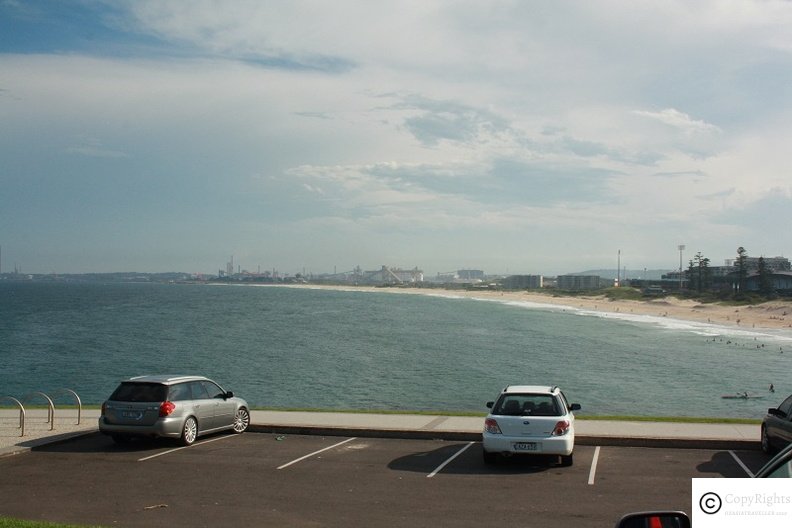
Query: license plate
x=135, y=415
x=526, y=446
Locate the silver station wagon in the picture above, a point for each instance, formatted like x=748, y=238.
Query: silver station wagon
x=182, y=407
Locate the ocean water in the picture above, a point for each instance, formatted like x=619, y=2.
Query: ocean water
x=330, y=349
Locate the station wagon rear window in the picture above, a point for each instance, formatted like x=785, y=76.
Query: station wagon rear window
x=140, y=392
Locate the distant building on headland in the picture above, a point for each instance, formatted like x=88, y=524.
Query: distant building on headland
x=470, y=275
x=463, y=276
x=752, y=264
x=523, y=282
x=401, y=275
x=578, y=282
x=386, y=275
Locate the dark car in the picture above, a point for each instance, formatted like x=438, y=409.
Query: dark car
x=777, y=427
x=182, y=407
x=780, y=466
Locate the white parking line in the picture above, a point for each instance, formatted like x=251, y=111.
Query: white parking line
x=745, y=468
x=593, y=470
x=315, y=453
x=196, y=444
x=444, y=464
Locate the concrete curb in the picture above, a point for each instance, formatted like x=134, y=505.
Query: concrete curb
x=678, y=442
x=467, y=436
x=724, y=444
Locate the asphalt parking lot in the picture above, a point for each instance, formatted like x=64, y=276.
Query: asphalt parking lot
x=260, y=479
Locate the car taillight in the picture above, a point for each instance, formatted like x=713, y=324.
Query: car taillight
x=491, y=426
x=104, y=408
x=166, y=408
x=561, y=428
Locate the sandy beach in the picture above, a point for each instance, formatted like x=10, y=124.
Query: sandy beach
x=772, y=314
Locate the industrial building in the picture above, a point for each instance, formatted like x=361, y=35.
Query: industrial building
x=579, y=282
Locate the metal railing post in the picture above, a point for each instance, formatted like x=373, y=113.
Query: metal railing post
x=21, y=412
x=50, y=408
x=76, y=398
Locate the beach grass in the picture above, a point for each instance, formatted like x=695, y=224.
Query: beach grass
x=7, y=522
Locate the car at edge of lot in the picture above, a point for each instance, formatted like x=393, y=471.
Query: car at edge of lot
x=780, y=466
x=777, y=427
x=180, y=407
x=530, y=420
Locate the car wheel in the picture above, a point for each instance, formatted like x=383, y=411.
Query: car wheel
x=241, y=420
x=767, y=447
x=189, y=431
x=490, y=458
x=566, y=460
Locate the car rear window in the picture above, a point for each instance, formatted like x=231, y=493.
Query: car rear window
x=140, y=392
x=527, y=405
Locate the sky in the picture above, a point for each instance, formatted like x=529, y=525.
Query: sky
x=507, y=136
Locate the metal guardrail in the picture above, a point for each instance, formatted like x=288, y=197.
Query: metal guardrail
x=50, y=407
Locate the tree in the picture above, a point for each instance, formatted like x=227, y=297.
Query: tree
x=703, y=272
x=742, y=269
x=699, y=273
x=765, y=281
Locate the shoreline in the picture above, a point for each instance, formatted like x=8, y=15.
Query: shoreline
x=768, y=315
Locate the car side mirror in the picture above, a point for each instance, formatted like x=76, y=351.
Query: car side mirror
x=229, y=394
x=490, y=404
x=648, y=519
x=574, y=407
x=776, y=412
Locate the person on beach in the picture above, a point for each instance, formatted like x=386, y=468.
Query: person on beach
x=772, y=389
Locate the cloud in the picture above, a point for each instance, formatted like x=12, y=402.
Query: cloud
x=401, y=126
x=680, y=121
x=446, y=120
x=255, y=33
x=93, y=148
x=680, y=174
x=464, y=192
x=758, y=224
x=314, y=115
x=690, y=136
x=762, y=213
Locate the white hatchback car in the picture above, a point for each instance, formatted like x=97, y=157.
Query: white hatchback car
x=530, y=420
